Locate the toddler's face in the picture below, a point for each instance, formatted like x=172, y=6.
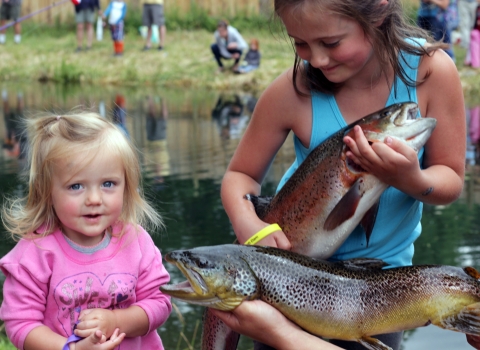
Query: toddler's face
x=87, y=195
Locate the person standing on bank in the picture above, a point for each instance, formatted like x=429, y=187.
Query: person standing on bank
x=10, y=10
x=153, y=15
x=229, y=44
x=84, y=17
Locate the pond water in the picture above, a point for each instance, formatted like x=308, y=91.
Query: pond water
x=185, y=149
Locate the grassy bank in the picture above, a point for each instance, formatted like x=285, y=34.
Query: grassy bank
x=186, y=61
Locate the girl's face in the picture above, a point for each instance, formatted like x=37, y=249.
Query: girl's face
x=336, y=45
x=89, y=200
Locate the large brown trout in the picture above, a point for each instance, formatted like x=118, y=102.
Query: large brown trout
x=329, y=195
x=350, y=300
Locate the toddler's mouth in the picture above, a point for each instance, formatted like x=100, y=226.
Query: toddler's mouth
x=92, y=216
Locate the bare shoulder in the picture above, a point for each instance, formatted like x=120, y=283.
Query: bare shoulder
x=282, y=105
x=441, y=89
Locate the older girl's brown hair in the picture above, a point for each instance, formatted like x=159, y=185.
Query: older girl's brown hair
x=388, y=38
x=53, y=138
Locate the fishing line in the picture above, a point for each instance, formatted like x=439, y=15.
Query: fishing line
x=21, y=19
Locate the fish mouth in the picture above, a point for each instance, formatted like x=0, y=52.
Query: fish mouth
x=195, y=285
x=210, y=282
x=409, y=111
x=401, y=122
x=194, y=290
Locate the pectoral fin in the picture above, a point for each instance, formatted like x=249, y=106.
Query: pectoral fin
x=368, y=220
x=466, y=321
x=346, y=207
x=373, y=344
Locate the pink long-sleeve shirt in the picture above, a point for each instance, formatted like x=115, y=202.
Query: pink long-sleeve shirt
x=49, y=283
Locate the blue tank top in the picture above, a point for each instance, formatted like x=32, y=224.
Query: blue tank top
x=397, y=223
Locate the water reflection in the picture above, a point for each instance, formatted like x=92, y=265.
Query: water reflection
x=186, y=139
x=229, y=114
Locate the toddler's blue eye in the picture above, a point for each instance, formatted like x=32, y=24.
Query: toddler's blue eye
x=108, y=184
x=76, y=187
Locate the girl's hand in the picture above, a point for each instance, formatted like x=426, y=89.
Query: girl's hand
x=92, y=320
x=98, y=341
x=256, y=319
x=276, y=239
x=392, y=161
x=262, y=322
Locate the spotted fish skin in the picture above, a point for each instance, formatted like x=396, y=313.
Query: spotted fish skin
x=346, y=301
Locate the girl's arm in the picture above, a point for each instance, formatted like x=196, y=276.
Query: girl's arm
x=278, y=111
x=440, y=181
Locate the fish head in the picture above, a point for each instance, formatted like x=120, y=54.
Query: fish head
x=219, y=278
x=398, y=121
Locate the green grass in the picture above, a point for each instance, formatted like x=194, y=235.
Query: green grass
x=47, y=55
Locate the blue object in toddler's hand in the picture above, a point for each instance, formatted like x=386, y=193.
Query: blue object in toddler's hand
x=72, y=339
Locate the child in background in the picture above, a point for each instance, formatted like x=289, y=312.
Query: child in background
x=473, y=55
x=352, y=58
x=116, y=12
x=252, y=58
x=84, y=274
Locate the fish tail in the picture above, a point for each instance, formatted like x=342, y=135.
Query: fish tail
x=260, y=203
x=466, y=320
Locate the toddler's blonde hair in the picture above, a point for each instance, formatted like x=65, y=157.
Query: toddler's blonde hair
x=53, y=138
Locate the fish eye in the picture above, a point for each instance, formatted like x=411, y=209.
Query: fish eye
x=202, y=263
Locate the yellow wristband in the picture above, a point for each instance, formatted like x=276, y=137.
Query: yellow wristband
x=264, y=232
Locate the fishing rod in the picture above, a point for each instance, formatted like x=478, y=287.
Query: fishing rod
x=33, y=14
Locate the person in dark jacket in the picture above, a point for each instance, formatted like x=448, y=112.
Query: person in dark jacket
x=84, y=17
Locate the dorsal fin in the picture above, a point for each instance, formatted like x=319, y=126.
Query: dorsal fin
x=471, y=271
x=363, y=264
